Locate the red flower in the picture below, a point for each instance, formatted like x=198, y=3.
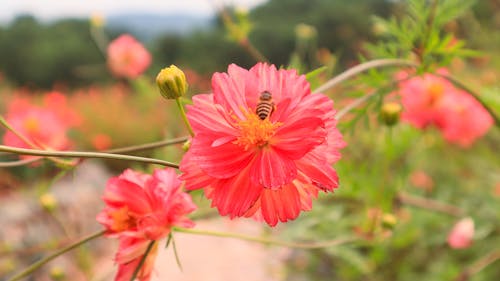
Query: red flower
x=42, y=125
x=430, y=100
x=270, y=166
x=127, y=57
x=141, y=208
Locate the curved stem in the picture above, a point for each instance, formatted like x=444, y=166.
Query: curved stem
x=474, y=94
x=314, y=245
x=18, y=134
x=361, y=68
x=354, y=104
x=45, y=260
x=479, y=265
x=429, y=204
x=147, y=146
x=184, y=117
x=83, y=154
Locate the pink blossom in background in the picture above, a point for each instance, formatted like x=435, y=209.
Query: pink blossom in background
x=461, y=234
x=127, y=57
x=101, y=142
x=430, y=100
x=58, y=103
x=270, y=168
x=141, y=208
x=42, y=125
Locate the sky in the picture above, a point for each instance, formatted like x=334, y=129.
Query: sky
x=54, y=9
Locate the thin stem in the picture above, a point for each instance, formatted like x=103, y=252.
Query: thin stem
x=27, y=271
x=18, y=162
x=254, y=52
x=474, y=94
x=32, y=144
x=429, y=204
x=361, y=68
x=143, y=259
x=314, y=245
x=184, y=116
x=479, y=265
x=147, y=146
x=83, y=154
x=18, y=134
x=341, y=113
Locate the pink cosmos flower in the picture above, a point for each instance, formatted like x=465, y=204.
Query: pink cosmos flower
x=270, y=167
x=127, y=57
x=141, y=208
x=430, y=100
x=462, y=233
x=41, y=125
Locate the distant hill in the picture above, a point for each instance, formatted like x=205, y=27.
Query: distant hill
x=147, y=27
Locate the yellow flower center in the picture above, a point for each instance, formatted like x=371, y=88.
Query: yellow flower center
x=436, y=90
x=255, y=132
x=122, y=219
x=31, y=125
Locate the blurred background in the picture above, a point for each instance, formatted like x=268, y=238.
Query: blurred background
x=52, y=46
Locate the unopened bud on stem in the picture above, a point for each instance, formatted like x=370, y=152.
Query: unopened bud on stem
x=390, y=112
x=172, y=82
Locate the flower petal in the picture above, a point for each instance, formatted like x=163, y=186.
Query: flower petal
x=321, y=174
x=192, y=175
x=205, y=116
x=229, y=90
x=222, y=161
x=235, y=196
x=281, y=204
x=272, y=169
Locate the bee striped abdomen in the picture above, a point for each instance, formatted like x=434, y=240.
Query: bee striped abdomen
x=265, y=106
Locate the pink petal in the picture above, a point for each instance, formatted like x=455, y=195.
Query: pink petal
x=272, y=169
x=193, y=176
x=221, y=161
x=230, y=92
x=281, y=204
x=236, y=195
x=321, y=174
x=121, y=192
x=205, y=116
x=299, y=136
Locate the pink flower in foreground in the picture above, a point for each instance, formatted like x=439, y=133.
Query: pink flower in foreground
x=462, y=233
x=41, y=125
x=270, y=167
x=430, y=100
x=141, y=208
x=127, y=57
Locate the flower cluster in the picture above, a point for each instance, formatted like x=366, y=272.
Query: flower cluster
x=44, y=126
x=263, y=144
x=431, y=100
x=127, y=57
x=141, y=208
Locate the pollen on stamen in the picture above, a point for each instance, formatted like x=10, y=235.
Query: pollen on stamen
x=255, y=132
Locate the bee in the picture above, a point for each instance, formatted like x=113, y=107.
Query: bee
x=265, y=106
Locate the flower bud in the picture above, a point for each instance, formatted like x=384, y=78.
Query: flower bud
x=389, y=221
x=57, y=273
x=186, y=145
x=390, y=112
x=461, y=235
x=172, y=82
x=48, y=202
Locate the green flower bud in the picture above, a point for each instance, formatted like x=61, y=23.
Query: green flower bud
x=389, y=221
x=390, y=112
x=172, y=82
x=186, y=145
x=57, y=273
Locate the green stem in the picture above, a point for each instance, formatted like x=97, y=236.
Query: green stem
x=45, y=260
x=143, y=259
x=184, y=116
x=314, y=245
x=253, y=51
x=346, y=109
x=474, y=94
x=362, y=68
x=147, y=146
x=429, y=204
x=83, y=154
